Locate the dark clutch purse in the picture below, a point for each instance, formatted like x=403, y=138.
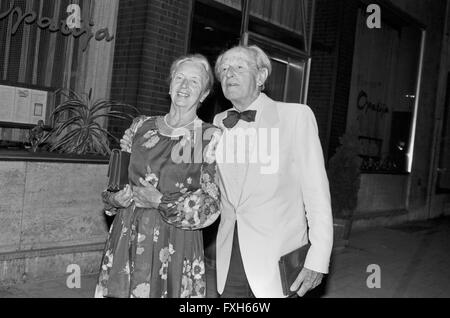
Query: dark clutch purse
x=290, y=266
x=118, y=170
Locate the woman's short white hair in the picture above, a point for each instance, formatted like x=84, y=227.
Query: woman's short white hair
x=254, y=52
x=195, y=58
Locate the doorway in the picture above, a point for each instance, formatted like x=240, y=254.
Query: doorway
x=215, y=28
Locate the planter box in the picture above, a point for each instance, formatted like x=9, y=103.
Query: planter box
x=50, y=216
x=382, y=192
x=381, y=200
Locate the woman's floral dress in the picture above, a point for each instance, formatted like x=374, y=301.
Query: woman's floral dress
x=159, y=252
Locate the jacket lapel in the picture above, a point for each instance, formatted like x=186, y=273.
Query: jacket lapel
x=269, y=119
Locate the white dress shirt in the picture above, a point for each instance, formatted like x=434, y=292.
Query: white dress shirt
x=236, y=154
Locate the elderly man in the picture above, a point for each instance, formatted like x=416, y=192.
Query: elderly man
x=273, y=183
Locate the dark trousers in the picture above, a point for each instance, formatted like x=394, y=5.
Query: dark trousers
x=236, y=285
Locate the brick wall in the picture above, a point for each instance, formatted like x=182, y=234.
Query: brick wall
x=332, y=58
x=150, y=35
x=346, y=39
x=323, y=54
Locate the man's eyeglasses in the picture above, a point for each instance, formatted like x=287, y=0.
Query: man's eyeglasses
x=236, y=69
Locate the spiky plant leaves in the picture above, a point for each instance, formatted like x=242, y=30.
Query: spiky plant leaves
x=76, y=123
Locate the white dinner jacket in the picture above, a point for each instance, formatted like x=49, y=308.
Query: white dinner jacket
x=270, y=211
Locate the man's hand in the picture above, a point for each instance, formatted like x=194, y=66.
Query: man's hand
x=308, y=279
x=146, y=196
x=123, y=198
x=125, y=142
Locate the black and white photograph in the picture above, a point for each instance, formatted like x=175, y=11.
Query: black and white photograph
x=254, y=152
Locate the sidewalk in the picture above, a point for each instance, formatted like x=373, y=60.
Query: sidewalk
x=414, y=261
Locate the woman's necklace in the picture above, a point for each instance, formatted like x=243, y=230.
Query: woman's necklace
x=175, y=128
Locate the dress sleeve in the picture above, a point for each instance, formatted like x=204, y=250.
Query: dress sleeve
x=137, y=123
x=193, y=210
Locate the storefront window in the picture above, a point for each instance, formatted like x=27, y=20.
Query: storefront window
x=46, y=46
x=383, y=93
x=32, y=65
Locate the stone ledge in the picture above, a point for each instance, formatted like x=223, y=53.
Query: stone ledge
x=26, y=156
x=45, y=264
x=52, y=251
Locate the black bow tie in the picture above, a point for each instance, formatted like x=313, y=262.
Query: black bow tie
x=233, y=117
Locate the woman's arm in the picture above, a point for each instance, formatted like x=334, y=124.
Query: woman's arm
x=192, y=210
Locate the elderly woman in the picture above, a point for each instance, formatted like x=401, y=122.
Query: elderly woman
x=155, y=246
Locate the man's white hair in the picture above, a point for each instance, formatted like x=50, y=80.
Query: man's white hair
x=256, y=54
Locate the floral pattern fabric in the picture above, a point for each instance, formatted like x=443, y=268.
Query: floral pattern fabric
x=158, y=253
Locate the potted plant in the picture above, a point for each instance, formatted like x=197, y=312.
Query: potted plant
x=344, y=177
x=77, y=123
